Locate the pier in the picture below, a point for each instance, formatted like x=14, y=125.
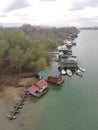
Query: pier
x=17, y=106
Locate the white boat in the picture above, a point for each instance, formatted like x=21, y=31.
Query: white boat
x=82, y=69
x=69, y=72
x=79, y=73
x=63, y=72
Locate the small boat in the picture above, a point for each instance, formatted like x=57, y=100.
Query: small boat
x=12, y=111
x=82, y=69
x=63, y=72
x=74, y=56
x=73, y=43
x=79, y=73
x=69, y=45
x=69, y=72
x=11, y=117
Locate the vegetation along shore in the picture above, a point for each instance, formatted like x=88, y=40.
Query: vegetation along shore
x=25, y=50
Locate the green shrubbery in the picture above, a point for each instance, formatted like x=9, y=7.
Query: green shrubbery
x=27, y=48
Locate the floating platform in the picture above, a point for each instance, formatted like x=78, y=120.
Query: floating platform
x=17, y=106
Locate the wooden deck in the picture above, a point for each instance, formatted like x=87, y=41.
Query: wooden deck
x=18, y=106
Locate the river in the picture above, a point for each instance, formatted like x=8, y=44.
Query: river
x=71, y=106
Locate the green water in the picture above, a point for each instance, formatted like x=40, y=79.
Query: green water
x=72, y=106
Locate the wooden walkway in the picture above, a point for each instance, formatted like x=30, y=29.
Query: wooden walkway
x=18, y=106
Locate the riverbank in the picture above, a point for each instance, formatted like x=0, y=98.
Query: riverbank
x=10, y=93
x=30, y=114
x=11, y=90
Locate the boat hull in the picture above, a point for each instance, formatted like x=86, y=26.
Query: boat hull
x=40, y=94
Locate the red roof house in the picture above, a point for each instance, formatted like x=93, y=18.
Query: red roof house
x=39, y=88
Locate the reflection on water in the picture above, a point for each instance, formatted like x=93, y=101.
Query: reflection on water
x=55, y=87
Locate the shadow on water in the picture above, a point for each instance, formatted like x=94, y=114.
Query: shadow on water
x=35, y=99
x=55, y=87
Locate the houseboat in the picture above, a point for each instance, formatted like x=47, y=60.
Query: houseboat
x=55, y=77
x=62, y=48
x=70, y=63
x=39, y=88
x=52, y=76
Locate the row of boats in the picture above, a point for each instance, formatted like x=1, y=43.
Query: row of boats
x=67, y=65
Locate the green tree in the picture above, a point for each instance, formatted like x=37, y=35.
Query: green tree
x=19, y=38
x=41, y=64
x=30, y=66
x=35, y=52
x=16, y=57
x=3, y=48
x=1, y=35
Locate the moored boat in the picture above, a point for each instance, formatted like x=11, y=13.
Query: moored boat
x=69, y=72
x=82, y=69
x=70, y=63
x=63, y=72
x=79, y=73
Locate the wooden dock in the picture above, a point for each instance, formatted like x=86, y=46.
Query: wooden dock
x=18, y=106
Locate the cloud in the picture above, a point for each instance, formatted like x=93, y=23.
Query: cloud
x=47, y=0
x=50, y=12
x=2, y=15
x=79, y=5
x=16, y=4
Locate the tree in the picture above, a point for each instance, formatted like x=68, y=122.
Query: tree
x=3, y=48
x=30, y=66
x=41, y=64
x=19, y=38
x=36, y=51
x=16, y=57
x=1, y=35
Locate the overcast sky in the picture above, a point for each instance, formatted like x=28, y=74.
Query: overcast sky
x=58, y=13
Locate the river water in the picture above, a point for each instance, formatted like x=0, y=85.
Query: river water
x=71, y=106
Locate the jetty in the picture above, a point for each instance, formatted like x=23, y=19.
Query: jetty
x=18, y=106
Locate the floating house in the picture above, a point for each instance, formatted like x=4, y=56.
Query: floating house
x=70, y=63
x=53, y=76
x=39, y=88
x=62, y=48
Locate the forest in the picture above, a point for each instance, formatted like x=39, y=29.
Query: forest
x=26, y=48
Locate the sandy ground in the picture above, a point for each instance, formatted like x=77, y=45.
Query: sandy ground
x=29, y=116
x=11, y=93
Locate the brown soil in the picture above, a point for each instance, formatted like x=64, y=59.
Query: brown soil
x=8, y=89
x=26, y=81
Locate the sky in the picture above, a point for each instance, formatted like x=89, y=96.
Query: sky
x=59, y=13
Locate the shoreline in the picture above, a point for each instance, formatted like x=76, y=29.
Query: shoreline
x=10, y=93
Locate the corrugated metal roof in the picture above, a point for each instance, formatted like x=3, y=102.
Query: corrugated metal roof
x=33, y=89
x=37, y=86
x=41, y=83
x=43, y=73
x=54, y=74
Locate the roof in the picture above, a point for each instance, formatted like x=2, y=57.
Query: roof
x=43, y=73
x=63, y=47
x=33, y=89
x=54, y=74
x=37, y=86
x=41, y=83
